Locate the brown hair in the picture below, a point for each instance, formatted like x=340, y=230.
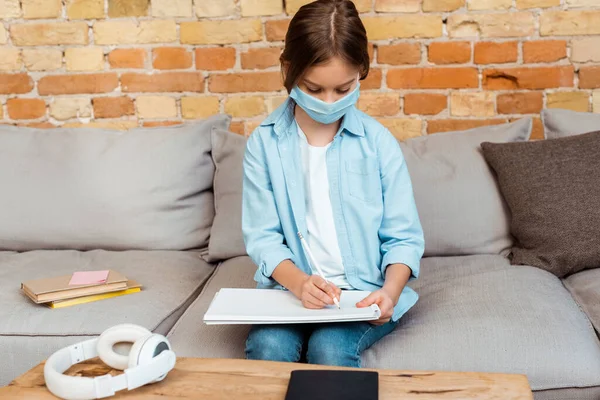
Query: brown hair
x=319, y=31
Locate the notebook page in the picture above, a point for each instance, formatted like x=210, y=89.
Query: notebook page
x=272, y=306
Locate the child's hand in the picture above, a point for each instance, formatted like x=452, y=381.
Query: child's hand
x=317, y=293
x=385, y=303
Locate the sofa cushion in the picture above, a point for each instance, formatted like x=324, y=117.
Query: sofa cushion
x=585, y=288
x=169, y=280
x=460, y=207
x=476, y=313
x=190, y=337
x=552, y=188
x=226, y=238
x=85, y=189
x=29, y=333
x=479, y=313
x=561, y=123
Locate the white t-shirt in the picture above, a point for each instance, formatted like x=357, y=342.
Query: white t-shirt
x=322, y=236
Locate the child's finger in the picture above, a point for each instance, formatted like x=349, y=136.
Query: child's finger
x=315, y=301
x=317, y=292
x=325, y=286
x=373, y=298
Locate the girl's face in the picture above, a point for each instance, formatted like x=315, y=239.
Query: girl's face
x=331, y=81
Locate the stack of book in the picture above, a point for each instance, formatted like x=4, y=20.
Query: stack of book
x=61, y=291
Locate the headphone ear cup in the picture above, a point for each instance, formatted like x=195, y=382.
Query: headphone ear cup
x=123, y=333
x=134, y=353
x=146, y=348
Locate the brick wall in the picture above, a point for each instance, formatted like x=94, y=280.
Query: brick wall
x=438, y=65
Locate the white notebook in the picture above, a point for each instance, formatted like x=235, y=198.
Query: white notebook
x=273, y=306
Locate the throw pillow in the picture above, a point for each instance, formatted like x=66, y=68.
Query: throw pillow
x=553, y=190
x=226, y=238
x=460, y=206
x=561, y=123
x=90, y=188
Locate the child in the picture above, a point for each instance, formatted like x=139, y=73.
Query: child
x=319, y=167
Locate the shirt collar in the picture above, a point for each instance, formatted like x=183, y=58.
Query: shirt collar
x=283, y=117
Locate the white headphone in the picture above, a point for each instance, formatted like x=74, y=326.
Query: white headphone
x=149, y=360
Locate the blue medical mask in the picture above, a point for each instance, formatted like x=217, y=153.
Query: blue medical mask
x=320, y=111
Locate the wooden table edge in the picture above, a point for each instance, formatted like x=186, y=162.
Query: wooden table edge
x=32, y=381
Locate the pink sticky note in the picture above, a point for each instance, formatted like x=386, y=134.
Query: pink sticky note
x=88, y=277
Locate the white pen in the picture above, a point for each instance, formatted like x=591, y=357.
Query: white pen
x=314, y=263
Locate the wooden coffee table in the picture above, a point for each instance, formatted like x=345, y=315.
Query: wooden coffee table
x=216, y=379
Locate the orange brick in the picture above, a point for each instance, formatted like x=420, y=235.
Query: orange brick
x=373, y=81
x=73, y=84
x=589, y=77
x=520, y=103
x=496, y=53
x=541, y=51
x=237, y=127
x=371, y=50
x=261, y=58
x=154, y=124
x=433, y=78
x=127, y=58
x=450, y=52
x=450, y=125
x=424, y=103
x=245, y=82
x=398, y=54
x=537, y=130
x=15, y=83
x=528, y=78
x=165, y=82
x=215, y=59
x=171, y=58
x=26, y=108
x=113, y=107
x=276, y=30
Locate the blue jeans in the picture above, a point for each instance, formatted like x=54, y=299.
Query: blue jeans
x=339, y=344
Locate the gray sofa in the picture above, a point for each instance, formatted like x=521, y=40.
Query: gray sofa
x=162, y=206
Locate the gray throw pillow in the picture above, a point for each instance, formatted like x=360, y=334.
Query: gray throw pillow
x=460, y=206
x=553, y=190
x=226, y=238
x=88, y=188
x=562, y=123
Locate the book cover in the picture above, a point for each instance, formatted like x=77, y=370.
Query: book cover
x=132, y=287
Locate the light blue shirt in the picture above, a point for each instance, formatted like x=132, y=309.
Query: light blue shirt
x=371, y=195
